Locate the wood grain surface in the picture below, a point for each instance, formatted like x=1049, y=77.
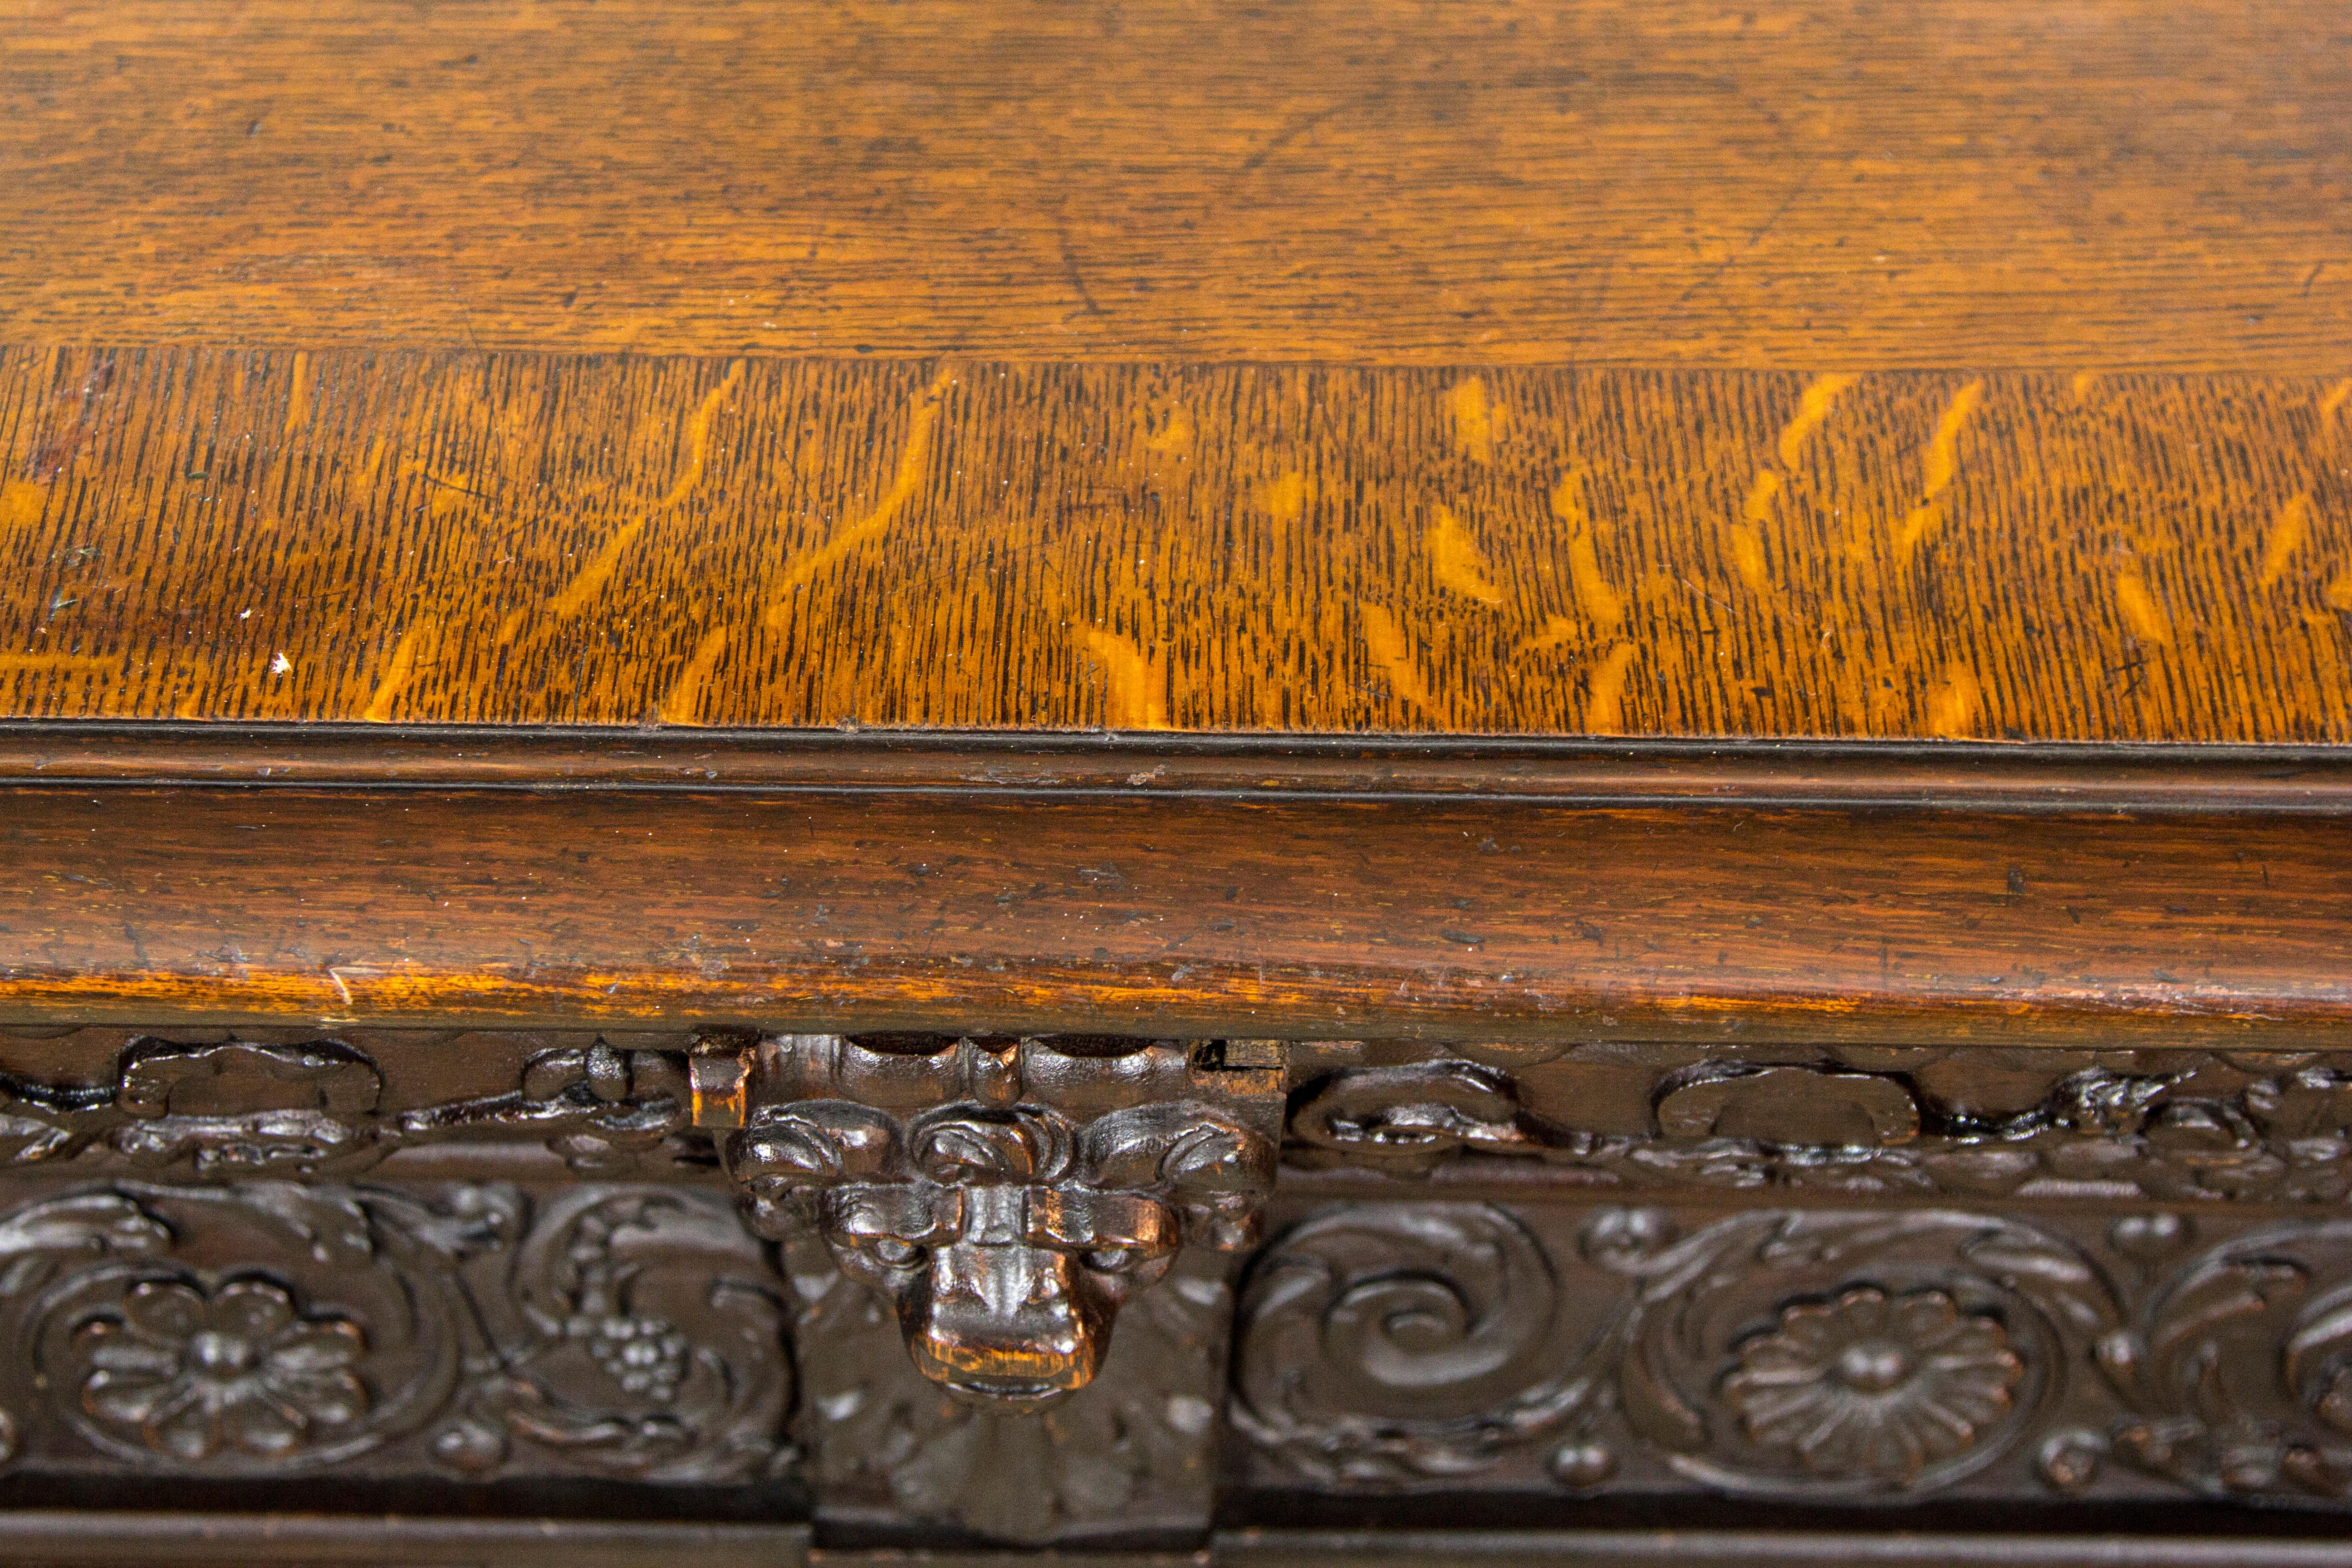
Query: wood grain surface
x=1824, y=184
x=546, y=540
x=1435, y=919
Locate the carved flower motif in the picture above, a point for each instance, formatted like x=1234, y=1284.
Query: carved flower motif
x=193, y=1374
x=1869, y=1387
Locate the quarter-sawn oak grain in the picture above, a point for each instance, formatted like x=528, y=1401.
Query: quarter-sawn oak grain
x=535, y=539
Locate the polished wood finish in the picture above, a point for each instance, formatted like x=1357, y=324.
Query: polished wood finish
x=1436, y=918
x=1701, y=650
x=531, y=540
x=2085, y=184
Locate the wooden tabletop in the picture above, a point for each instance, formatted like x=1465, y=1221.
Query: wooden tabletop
x=1848, y=369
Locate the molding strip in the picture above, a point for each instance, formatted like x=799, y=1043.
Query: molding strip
x=65, y=1536
x=1960, y=776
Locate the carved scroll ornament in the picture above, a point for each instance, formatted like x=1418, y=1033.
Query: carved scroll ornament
x=1006, y=1197
x=1969, y=1123
x=269, y=1329
x=240, y=1109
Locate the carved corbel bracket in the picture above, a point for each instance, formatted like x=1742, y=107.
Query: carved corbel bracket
x=1006, y=1197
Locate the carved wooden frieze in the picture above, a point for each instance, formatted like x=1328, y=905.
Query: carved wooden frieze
x=1006, y=1197
x=473, y=1332
x=1970, y=1123
x=316, y=1108
x=1824, y=1356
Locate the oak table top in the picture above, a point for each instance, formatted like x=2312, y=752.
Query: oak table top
x=1851, y=370
x=1848, y=501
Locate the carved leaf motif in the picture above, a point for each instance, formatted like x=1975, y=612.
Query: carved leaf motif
x=1394, y=1340
x=272, y=1329
x=1409, y=1118
x=2198, y=1130
x=655, y=1346
x=2246, y=1384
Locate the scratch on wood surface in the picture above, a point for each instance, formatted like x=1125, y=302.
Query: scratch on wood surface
x=1473, y=419
x=1386, y=639
x=2140, y=612
x=1455, y=559
x=398, y=671
x=2286, y=536
x=684, y=703
x=1942, y=465
x=1135, y=683
x=912, y=462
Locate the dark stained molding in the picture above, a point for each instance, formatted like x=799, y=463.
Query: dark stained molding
x=79, y=1538
x=115, y=1537
x=1763, y=1549
x=1971, y=776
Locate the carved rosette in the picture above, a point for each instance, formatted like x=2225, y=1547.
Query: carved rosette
x=190, y=1374
x=1861, y=1384
x=1007, y=1197
x=1839, y=1353
x=249, y=1330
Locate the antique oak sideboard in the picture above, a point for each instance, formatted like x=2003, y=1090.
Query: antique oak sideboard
x=1525, y=782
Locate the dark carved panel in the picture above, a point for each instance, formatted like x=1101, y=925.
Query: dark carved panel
x=270, y=1330
x=1129, y=1459
x=315, y=1108
x=2023, y=1274
x=1831, y=1356
x=1972, y=1123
